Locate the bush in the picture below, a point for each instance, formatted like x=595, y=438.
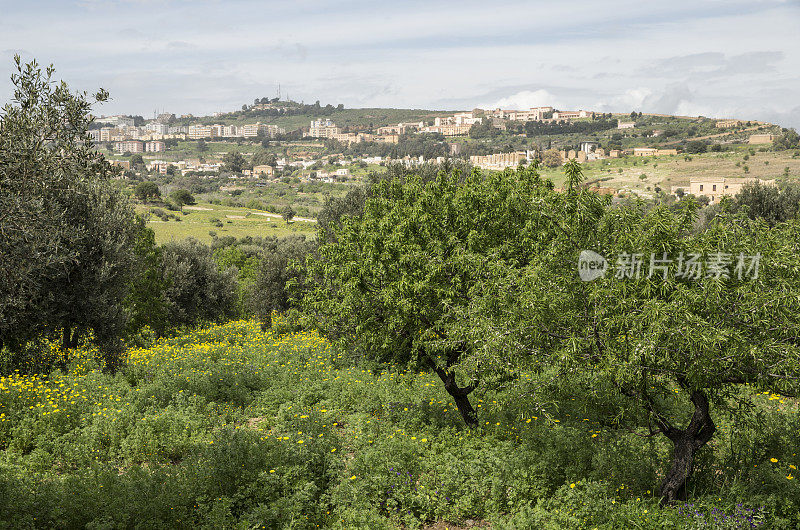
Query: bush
x=197, y=290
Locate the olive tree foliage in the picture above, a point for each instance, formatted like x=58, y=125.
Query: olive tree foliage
x=196, y=289
x=279, y=265
x=674, y=348
x=393, y=281
x=66, y=234
x=771, y=203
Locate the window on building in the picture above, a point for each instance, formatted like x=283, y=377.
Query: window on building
x=714, y=187
x=701, y=187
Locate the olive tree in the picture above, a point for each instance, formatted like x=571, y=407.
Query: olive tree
x=196, y=289
x=66, y=234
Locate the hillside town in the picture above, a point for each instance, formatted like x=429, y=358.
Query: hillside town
x=459, y=134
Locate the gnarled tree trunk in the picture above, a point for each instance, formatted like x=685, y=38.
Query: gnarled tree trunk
x=460, y=396
x=686, y=443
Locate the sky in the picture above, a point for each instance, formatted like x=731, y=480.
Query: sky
x=714, y=58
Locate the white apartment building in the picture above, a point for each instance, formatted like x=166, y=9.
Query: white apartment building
x=462, y=118
x=115, y=121
x=156, y=127
x=571, y=114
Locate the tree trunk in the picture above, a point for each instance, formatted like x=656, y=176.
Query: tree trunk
x=69, y=338
x=460, y=396
x=686, y=443
x=66, y=339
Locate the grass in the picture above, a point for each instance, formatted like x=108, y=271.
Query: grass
x=196, y=222
x=231, y=427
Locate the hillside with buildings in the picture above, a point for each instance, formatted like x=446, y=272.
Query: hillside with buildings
x=283, y=141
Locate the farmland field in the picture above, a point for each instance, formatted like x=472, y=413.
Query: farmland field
x=199, y=220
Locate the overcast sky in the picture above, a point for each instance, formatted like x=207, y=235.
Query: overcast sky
x=716, y=58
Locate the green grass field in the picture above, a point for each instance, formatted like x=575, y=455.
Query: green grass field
x=196, y=222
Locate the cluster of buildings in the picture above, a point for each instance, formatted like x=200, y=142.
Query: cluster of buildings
x=122, y=129
x=328, y=130
x=183, y=166
x=543, y=114
x=460, y=123
x=250, y=130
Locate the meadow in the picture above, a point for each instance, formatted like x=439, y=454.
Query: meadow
x=227, y=426
x=202, y=220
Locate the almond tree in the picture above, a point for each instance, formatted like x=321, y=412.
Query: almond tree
x=714, y=310
x=391, y=283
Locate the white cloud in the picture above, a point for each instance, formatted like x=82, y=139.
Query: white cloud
x=526, y=99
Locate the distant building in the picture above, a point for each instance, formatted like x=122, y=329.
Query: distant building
x=461, y=118
x=571, y=114
x=129, y=146
x=499, y=161
x=533, y=114
x=401, y=128
x=449, y=130
x=756, y=139
x=115, y=121
x=386, y=138
x=198, y=132
x=727, y=124
x=626, y=125
x=157, y=127
x=155, y=147
x=323, y=129
x=716, y=188
x=264, y=170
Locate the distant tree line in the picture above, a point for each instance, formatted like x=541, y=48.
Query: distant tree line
x=537, y=128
